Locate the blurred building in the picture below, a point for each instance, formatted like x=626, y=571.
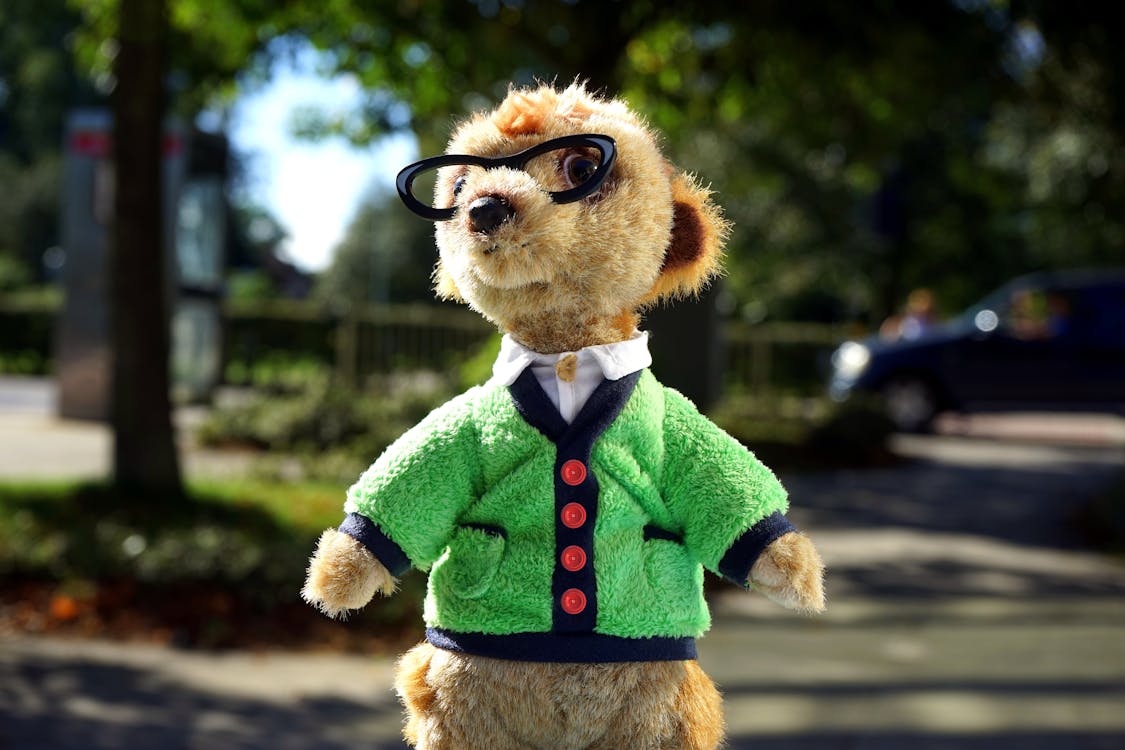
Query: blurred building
x=195, y=213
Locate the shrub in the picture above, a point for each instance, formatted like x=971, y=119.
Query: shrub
x=335, y=432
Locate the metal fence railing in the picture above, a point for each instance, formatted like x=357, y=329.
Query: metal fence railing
x=375, y=339
x=363, y=341
x=770, y=356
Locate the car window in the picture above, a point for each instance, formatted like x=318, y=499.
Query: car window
x=1092, y=313
x=1037, y=314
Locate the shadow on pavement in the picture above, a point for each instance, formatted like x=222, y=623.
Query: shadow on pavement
x=926, y=741
x=96, y=706
x=1021, y=504
x=1008, y=526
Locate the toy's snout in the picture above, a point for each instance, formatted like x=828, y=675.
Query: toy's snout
x=488, y=212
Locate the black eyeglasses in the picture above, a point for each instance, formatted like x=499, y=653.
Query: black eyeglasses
x=584, y=172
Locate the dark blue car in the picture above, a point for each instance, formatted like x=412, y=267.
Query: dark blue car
x=1049, y=341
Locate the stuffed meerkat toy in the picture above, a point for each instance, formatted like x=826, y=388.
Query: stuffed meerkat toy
x=565, y=509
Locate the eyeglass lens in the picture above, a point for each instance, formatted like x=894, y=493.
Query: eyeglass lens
x=556, y=170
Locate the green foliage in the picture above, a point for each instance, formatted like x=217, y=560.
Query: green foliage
x=386, y=256
x=334, y=431
x=220, y=567
x=478, y=368
x=250, y=286
x=24, y=362
x=27, y=324
x=861, y=149
x=850, y=144
x=28, y=215
x=278, y=372
x=233, y=534
x=38, y=78
x=13, y=273
x=38, y=83
x=802, y=434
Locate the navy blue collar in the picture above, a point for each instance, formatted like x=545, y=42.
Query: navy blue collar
x=598, y=413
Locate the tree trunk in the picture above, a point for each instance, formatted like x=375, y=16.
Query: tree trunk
x=144, y=457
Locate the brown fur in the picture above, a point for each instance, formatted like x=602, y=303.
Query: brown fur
x=559, y=278
x=344, y=575
x=694, y=255
x=528, y=112
x=464, y=702
x=791, y=573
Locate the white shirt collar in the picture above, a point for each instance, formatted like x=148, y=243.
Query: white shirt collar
x=614, y=360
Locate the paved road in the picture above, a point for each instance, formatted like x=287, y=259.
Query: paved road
x=36, y=444
x=964, y=613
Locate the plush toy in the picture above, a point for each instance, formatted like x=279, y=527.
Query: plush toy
x=565, y=509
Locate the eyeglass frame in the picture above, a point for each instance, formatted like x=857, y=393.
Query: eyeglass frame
x=605, y=145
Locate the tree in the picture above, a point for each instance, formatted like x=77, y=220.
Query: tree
x=38, y=82
x=993, y=129
x=387, y=255
x=144, y=456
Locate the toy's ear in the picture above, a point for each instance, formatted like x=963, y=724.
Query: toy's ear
x=695, y=251
x=444, y=286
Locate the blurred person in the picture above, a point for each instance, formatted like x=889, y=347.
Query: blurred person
x=917, y=318
x=1027, y=315
x=1058, y=315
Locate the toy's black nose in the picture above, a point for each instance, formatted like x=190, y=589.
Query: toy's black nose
x=488, y=212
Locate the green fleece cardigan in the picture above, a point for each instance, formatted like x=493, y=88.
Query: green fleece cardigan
x=555, y=542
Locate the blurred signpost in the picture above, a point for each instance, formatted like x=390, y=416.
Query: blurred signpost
x=195, y=213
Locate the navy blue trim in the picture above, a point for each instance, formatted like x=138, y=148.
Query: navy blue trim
x=655, y=532
x=535, y=406
x=562, y=649
x=368, y=533
x=742, y=555
x=601, y=409
x=573, y=442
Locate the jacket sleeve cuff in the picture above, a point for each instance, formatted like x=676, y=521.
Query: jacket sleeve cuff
x=367, y=532
x=740, y=558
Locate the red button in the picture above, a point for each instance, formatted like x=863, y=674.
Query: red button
x=573, y=601
x=573, y=515
x=573, y=558
x=573, y=472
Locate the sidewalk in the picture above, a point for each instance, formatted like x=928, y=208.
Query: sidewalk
x=964, y=612
x=52, y=448
x=35, y=444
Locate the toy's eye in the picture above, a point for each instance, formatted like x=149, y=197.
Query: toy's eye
x=579, y=168
x=458, y=184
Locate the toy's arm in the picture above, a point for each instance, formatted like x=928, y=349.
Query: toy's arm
x=790, y=572
x=731, y=509
x=400, y=513
x=344, y=575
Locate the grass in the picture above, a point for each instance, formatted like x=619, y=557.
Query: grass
x=223, y=566
x=225, y=531
x=220, y=568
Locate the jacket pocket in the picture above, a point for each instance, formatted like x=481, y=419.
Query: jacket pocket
x=474, y=557
x=672, y=572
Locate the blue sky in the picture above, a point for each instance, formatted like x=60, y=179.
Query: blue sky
x=312, y=188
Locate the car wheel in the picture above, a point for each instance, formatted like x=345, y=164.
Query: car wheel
x=911, y=404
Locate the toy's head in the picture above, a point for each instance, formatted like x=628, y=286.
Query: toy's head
x=559, y=219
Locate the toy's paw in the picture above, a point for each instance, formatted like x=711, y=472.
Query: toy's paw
x=791, y=573
x=344, y=575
